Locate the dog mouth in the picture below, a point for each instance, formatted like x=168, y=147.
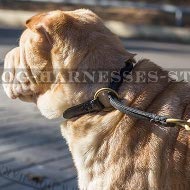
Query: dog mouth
x=15, y=89
x=17, y=84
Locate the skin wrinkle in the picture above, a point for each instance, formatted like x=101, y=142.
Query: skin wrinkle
x=104, y=134
x=128, y=118
x=187, y=161
x=185, y=156
x=28, y=70
x=164, y=151
x=156, y=161
x=157, y=96
x=152, y=101
x=143, y=108
x=161, y=92
x=9, y=65
x=135, y=132
x=13, y=72
x=179, y=155
x=186, y=165
x=110, y=150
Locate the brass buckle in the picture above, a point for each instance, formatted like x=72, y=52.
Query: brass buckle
x=100, y=93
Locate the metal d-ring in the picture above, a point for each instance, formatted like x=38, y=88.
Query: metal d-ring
x=96, y=95
x=108, y=90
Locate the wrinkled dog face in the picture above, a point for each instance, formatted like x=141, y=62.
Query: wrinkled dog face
x=57, y=42
x=25, y=64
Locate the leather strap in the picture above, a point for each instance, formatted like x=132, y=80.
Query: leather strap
x=84, y=108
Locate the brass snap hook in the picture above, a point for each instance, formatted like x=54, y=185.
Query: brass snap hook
x=179, y=122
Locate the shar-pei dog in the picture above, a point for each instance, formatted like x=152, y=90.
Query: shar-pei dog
x=58, y=54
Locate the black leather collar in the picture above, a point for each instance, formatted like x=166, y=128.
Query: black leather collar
x=95, y=105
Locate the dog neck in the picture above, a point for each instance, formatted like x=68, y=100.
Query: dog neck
x=96, y=140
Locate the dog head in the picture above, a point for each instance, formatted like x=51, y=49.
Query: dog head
x=54, y=45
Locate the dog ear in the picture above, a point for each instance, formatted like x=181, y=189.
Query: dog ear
x=41, y=24
x=38, y=21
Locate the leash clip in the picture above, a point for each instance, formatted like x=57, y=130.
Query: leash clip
x=183, y=123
